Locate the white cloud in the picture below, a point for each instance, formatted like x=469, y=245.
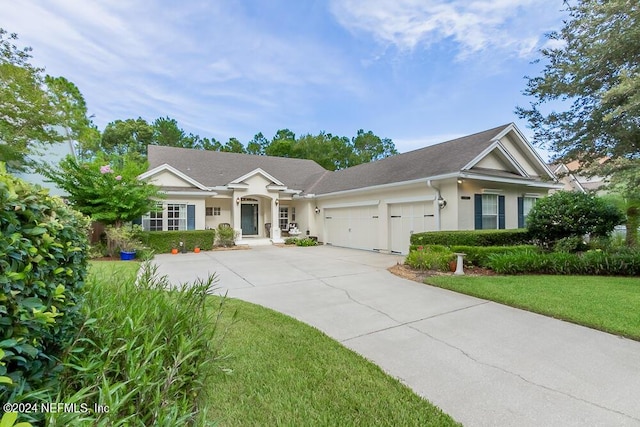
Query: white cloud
x=475, y=26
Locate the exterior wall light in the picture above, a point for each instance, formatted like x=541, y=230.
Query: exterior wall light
x=277, y=203
x=317, y=210
x=442, y=202
x=238, y=201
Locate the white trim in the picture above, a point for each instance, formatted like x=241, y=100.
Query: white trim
x=188, y=193
x=166, y=167
x=496, y=145
x=492, y=191
x=410, y=200
x=242, y=186
x=276, y=187
x=528, y=146
x=390, y=185
x=522, y=181
x=255, y=172
x=352, y=204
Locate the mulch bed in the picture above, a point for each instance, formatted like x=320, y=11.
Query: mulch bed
x=409, y=273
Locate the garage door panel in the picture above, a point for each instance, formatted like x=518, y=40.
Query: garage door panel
x=406, y=219
x=353, y=227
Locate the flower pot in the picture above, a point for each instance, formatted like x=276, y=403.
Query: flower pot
x=127, y=255
x=453, y=264
x=174, y=251
x=196, y=250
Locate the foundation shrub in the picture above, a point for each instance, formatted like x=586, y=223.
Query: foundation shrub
x=307, y=241
x=226, y=236
x=481, y=255
x=430, y=257
x=43, y=265
x=471, y=238
x=592, y=262
x=163, y=241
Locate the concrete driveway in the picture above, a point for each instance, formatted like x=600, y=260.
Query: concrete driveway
x=483, y=363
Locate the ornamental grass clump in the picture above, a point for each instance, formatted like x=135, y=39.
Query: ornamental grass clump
x=146, y=351
x=431, y=257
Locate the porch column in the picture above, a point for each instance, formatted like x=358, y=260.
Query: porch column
x=275, y=221
x=236, y=209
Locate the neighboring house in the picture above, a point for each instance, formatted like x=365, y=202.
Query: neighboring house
x=488, y=180
x=51, y=154
x=572, y=181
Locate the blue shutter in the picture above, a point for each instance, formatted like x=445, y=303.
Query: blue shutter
x=501, y=212
x=191, y=217
x=478, y=211
x=520, y=212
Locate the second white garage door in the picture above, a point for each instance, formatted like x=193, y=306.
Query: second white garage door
x=406, y=219
x=352, y=227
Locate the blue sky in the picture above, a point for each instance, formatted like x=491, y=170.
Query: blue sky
x=415, y=71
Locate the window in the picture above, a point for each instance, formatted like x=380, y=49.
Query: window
x=153, y=220
x=176, y=217
x=216, y=211
x=293, y=214
x=284, y=218
x=489, y=211
x=208, y=211
x=524, y=207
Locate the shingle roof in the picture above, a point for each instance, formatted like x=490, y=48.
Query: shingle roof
x=214, y=168
x=439, y=159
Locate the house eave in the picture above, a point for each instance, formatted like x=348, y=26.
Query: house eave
x=386, y=186
x=518, y=181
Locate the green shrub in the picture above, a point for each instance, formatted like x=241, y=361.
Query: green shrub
x=472, y=238
x=570, y=244
x=226, y=236
x=430, y=258
x=148, y=352
x=480, y=255
x=571, y=213
x=43, y=246
x=593, y=262
x=163, y=241
x=307, y=241
x=290, y=240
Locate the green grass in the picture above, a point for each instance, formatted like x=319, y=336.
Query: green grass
x=107, y=270
x=288, y=373
x=609, y=304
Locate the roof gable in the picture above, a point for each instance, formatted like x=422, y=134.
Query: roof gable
x=255, y=172
x=163, y=174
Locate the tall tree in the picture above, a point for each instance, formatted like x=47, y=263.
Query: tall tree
x=233, y=146
x=34, y=107
x=592, y=75
x=167, y=132
x=125, y=136
x=281, y=144
x=368, y=147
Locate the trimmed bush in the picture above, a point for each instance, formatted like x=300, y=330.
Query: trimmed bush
x=570, y=213
x=163, y=241
x=307, y=241
x=471, y=238
x=43, y=245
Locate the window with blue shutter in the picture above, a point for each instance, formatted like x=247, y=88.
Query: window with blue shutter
x=520, y=212
x=191, y=217
x=501, y=212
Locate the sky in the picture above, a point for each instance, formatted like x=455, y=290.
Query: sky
x=415, y=71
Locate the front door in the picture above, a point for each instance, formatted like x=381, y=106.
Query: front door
x=249, y=219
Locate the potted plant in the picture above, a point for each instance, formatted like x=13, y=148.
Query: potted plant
x=174, y=248
x=196, y=248
x=123, y=240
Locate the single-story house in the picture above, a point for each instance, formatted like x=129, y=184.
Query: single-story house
x=488, y=180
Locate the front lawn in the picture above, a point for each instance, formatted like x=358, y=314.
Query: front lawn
x=288, y=373
x=609, y=304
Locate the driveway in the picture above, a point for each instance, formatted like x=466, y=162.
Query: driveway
x=483, y=363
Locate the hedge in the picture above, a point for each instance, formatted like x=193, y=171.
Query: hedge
x=43, y=245
x=594, y=262
x=164, y=241
x=472, y=238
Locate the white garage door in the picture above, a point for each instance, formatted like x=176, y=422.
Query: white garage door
x=406, y=219
x=352, y=227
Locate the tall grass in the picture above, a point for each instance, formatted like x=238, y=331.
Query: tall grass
x=145, y=352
